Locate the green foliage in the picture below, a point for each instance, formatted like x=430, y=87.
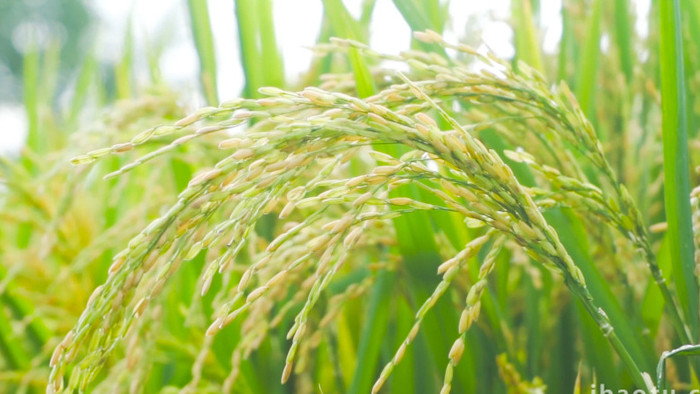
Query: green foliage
x=204, y=40
x=25, y=25
x=261, y=60
x=464, y=225
x=676, y=164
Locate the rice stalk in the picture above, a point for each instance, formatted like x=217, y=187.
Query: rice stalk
x=293, y=162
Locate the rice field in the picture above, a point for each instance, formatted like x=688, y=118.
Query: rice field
x=441, y=219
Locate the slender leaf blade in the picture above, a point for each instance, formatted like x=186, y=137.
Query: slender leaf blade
x=526, y=47
x=676, y=163
x=204, y=42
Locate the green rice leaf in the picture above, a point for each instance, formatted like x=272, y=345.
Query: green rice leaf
x=273, y=66
x=587, y=73
x=623, y=35
x=123, y=70
x=262, y=63
x=31, y=61
x=204, y=42
x=685, y=350
x=676, y=163
x=373, y=333
x=527, y=48
x=346, y=27
x=423, y=15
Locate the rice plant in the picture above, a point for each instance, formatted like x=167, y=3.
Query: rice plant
x=461, y=225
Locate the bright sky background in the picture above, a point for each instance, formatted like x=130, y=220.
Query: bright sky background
x=296, y=22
